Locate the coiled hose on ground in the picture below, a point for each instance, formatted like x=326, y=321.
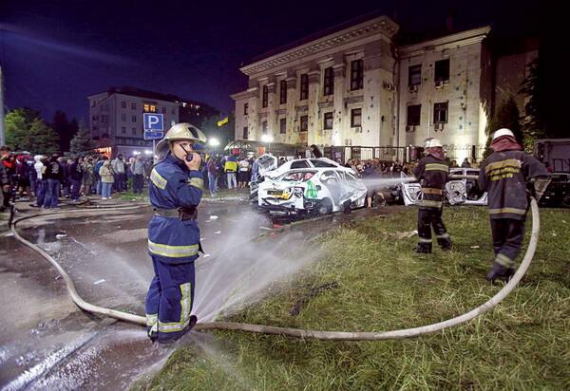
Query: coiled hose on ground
x=311, y=334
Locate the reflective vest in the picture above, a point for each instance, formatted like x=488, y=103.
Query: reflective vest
x=173, y=186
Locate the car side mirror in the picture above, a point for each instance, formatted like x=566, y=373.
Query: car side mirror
x=318, y=187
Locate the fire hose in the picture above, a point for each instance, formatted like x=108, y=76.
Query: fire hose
x=310, y=334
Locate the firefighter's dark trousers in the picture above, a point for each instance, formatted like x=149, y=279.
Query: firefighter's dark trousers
x=508, y=235
x=428, y=218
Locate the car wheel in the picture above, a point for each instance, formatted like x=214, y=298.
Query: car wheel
x=325, y=207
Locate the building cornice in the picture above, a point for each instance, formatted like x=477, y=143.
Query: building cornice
x=464, y=38
x=244, y=94
x=381, y=25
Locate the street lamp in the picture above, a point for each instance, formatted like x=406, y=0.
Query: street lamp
x=214, y=142
x=267, y=138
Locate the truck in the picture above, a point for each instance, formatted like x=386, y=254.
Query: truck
x=554, y=153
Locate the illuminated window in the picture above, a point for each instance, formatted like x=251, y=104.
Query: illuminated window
x=149, y=108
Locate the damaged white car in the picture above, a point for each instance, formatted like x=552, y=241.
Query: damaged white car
x=312, y=191
x=464, y=191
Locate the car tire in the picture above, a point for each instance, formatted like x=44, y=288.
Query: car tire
x=325, y=207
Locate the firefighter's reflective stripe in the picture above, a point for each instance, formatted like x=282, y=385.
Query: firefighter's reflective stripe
x=157, y=179
x=431, y=203
x=437, y=167
x=513, y=211
x=151, y=319
x=196, y=182
x=443, y=236
x=505, y=261
x=507, y=163
x=185, y=304
x=172, y=251
x=422, y=240
x=430, y=190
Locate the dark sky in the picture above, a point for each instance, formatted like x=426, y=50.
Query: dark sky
x=56, y=53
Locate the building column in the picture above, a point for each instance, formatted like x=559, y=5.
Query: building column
x=253, y=114
x=338, y=132
x=313, y=111
x=271, y=106
x=292, y=136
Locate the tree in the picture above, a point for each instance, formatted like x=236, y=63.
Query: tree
x=533, y=89
x=25, y=130
x=64, y=128
x=82, y=142
x=507, y=116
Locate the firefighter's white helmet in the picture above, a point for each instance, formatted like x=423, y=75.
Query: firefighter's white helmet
x=181, y=131
x=433, y=143
x=503, y=132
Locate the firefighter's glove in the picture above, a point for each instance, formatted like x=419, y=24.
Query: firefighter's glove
x=540, y=185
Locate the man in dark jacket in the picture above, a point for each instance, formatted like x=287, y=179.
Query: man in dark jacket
x=432, y=172
x=506, y=175
x=53, y=175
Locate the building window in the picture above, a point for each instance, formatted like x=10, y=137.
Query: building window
x=304, y=86
x=328, y=121
x=245, y=133
x=123, y=104
x=355, y=118
x=304, y=123
x=414, y=115
x=415, y=75
x=134, y=131
x=133, y=118
x=264, y=127
x=149, y=108
x=123, y=130
x=163, y=110
x=123, y=117
x=357, y=75
x=265, y=97
x=329, y=81
x=282, y=125
x=133, y=106
x=283, y=92
x=440, y=113
x=441, y=71
x=245, y=108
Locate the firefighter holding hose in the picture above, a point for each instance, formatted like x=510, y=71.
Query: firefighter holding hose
x=175, y=190
x=432, y=172
x=509, y=176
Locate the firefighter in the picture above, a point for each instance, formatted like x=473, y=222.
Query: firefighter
x=432, y=172
x=506, y=175
x=175, y=190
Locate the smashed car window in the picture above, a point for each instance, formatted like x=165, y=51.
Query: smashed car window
x=298, y=176
x=322, y=163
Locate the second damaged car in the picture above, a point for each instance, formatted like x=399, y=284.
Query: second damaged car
x=312, y=191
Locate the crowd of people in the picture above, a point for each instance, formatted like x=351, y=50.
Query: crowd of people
x=44, y=179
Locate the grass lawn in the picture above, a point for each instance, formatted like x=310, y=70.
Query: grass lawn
x=380, y=285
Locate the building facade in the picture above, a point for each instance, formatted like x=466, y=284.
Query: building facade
x=357, y=94
x=116, y=117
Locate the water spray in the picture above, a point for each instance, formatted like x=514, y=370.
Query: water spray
x=301, y=333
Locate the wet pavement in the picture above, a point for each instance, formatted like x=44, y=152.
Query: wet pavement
x=46, y=342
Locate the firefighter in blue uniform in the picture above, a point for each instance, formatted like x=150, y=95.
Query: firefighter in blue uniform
x=508, y=175
x=432, y=172
x=175, y=190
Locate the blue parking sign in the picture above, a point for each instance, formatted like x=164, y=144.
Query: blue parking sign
x=153, y=122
